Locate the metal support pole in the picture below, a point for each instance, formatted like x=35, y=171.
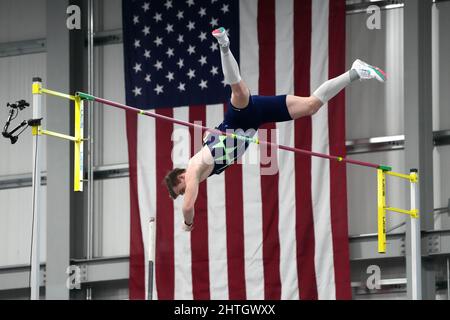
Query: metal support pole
x=151, y=257
x=416, y=252
x=418, y=125
x=36, y=182
x=90, y=149
x=448, y=279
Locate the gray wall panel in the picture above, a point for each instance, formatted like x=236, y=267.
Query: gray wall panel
x=15, y=83
x=441, y=178
x=115, y=148
x=441, y=66
x=22, y=20
x=116, y=217
x=375, y=109
x=15, y=226
x=112, y=14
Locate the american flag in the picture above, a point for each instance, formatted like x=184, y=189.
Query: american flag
x=281, y=236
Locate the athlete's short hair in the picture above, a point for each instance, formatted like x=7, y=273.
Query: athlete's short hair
x=172, y=179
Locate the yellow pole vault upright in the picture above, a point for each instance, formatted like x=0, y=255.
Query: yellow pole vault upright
x=78, y=135
x=413, y=212
x=413, y=178
x=37, y=132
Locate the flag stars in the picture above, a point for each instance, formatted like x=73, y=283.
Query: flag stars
x=169, y=28
x=202, y=60
x=214, y=70
x=158, y=41
x=180, y=15
x=158, y=65
x=146, y=30
x=159, y=89
x=157, y=17
x=181, y=86
x=137, y=91
x=191, y=25
x=170, y=52
x=214, y=46
x=137, y=67
x=170, y=76
x=147, y=54
x=202, y=36
x=203, y=84
x=190, y=3
x=168, y=4
x=225, y=8
x=180, y=63
x=137, y=43
x=191, y=74
x=214, y=22
x=146, y=6
x=180, y=39
x=191, y=49
x=148, y=78
x=135, y=19
x=202, y=12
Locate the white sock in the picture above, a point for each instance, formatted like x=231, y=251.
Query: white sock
x=333, y=86
x=230, y=67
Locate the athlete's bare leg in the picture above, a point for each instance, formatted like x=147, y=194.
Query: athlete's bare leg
x=302, y=106
x=240, y=95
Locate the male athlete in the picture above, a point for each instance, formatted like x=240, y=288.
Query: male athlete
x=247, y=113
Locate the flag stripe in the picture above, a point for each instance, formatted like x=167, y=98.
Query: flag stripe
x=146, y=180
x=164, y=264
x=320, y=170
x=285, y=136
x=269, y=183
x=217, y=221
x=234, y=197
x=303, y=140
x=182, y=252
x=199, y=236
x=137, y=259
x=251, y=182
x=336, y=125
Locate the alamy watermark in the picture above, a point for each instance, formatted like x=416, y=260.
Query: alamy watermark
x=73, y=22
x=239, y=150
x=373, y=282
x=74, y=279
x=374, y=20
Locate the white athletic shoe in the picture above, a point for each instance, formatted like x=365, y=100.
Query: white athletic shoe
x=366, y=71
x=221, y=35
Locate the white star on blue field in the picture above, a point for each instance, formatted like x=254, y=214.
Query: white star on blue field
x=171, y=58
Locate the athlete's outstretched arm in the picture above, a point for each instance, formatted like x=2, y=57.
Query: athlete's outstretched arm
x=190, y=196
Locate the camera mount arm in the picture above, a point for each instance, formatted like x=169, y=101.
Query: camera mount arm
x=13, y=112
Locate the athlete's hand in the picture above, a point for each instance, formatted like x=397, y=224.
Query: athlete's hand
x=188, y=227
